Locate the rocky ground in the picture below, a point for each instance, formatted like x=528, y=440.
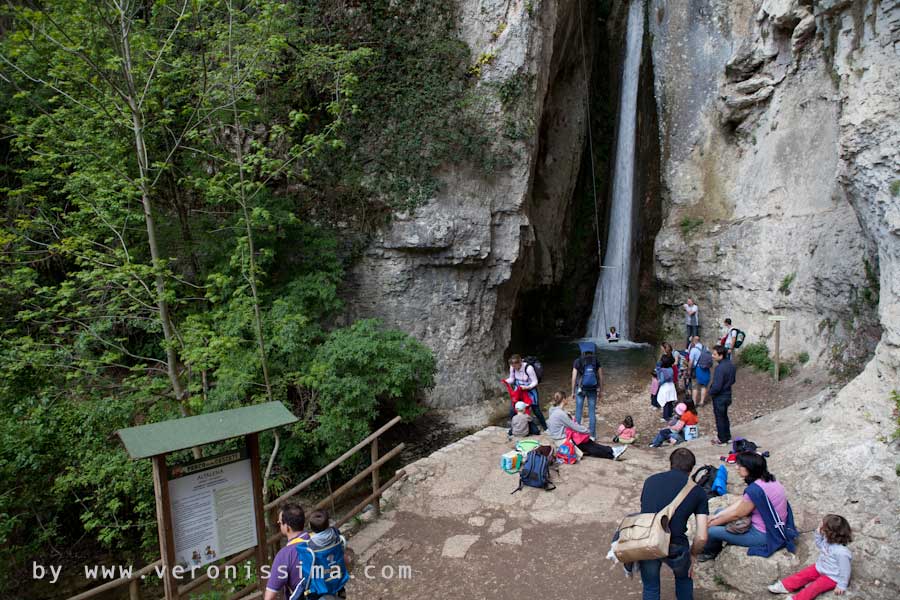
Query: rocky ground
x=455, y=525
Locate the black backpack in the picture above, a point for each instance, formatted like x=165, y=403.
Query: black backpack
x=536, y=365
x=704, y=477
x=741, y=445
x=535, y=472
x=738, y=338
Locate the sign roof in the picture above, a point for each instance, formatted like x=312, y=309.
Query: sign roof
x=145, y=441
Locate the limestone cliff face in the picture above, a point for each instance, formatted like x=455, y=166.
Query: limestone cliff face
x=760, y=218
x=449, y=273
x=779, y=130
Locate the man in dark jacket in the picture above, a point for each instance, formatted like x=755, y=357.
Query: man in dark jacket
x=659, y=490
x=720, y=392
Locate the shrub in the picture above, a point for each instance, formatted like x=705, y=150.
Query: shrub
x=757, y=356
x=785, y=287
x=689, y=225
x=803, y=357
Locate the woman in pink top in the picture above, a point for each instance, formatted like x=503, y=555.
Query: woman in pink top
x=752, y=467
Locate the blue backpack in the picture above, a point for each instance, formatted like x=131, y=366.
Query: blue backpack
x=589, y=380
x=323, y=570
x=720, y=482
x=535, y=472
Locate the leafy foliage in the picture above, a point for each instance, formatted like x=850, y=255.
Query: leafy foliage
x=757, y=356
x=196, y=131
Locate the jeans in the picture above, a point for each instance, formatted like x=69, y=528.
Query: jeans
x=723, y=425
x=536, y=408
x=718, y=535
x=679, y=560
x=591, y=396
x=692, y=330
x=664, y=435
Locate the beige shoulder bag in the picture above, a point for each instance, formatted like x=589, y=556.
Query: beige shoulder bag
x=645, y=536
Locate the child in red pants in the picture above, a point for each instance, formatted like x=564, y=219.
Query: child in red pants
x=832, y=569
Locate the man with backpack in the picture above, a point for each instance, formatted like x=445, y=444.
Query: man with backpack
x=587, y=384
x=732, y=337
x=660, y=490
x=701, y=362
x=720, y=391
x=285, y=573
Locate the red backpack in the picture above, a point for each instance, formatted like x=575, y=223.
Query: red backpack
x=567, y=452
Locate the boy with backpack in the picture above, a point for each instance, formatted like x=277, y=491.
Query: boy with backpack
x=322, y=565
x=587, y=384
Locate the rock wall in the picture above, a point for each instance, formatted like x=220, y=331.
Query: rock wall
x=758, y=222
x=450, y=272
x=779, y=130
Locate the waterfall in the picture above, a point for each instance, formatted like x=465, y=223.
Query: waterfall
x=611, y=298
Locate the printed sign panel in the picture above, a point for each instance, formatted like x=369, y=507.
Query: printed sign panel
x=213, y=512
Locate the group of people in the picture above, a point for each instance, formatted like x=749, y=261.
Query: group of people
x=293, y=571
x=693, y=376
x=761, y=520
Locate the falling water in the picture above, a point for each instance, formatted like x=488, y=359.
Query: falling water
x=611, y=297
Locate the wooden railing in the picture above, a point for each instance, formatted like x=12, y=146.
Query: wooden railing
x=251, y=592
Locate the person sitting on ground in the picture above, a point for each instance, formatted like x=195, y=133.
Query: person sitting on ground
x=767, y=532
x=625, y=432
x=658, y=491
x=654, y=389
x=667, y=396
x=613, y=335
x=522, y=422
x=285, y=573
x=831, y=570
x=685, y=414
x=561, y=427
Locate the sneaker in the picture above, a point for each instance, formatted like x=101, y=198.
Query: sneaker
x=618, y=451
x=778, y=588
x=706, y=557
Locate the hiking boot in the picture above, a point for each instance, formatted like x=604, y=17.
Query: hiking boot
x=778, y=588
x=618, y=451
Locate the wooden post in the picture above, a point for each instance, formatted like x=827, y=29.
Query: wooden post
x=252, y=441
x=777, y=349
x=375, y=482
x=134, y=590
x=164, y=525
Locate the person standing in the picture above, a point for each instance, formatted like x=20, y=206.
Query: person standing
x=691, y=319
x=285, y=575
x=522, y=376
x=720, y=392
x=587, y=384
x=700, y=362
x=728, y=336
x=659, y=490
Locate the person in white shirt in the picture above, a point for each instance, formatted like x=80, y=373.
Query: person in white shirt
x=691, y=319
